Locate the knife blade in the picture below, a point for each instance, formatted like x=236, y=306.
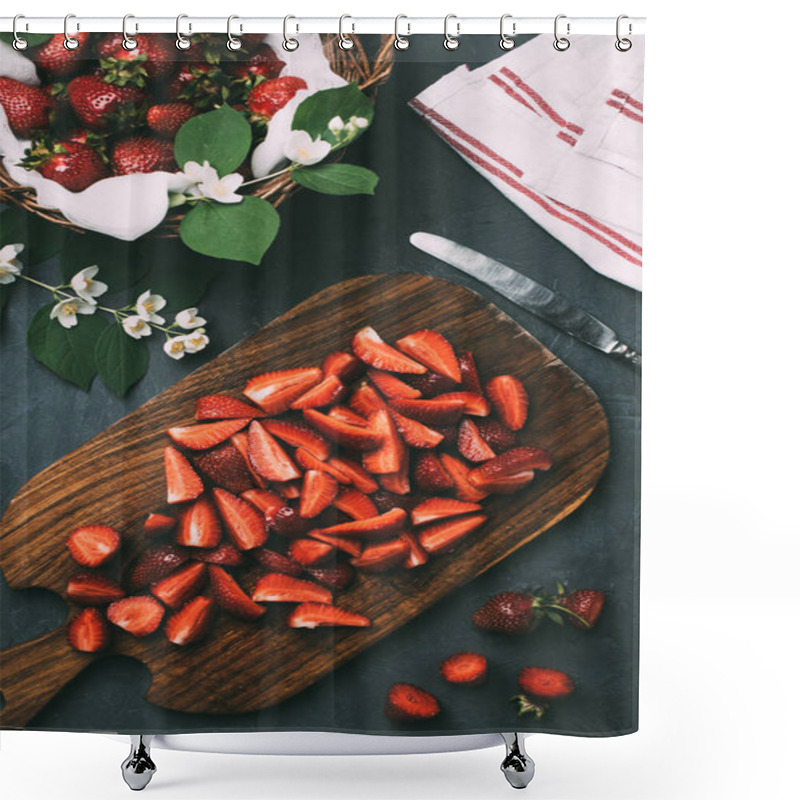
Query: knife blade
x=529, y=294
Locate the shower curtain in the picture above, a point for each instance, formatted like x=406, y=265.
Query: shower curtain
x=294, y=434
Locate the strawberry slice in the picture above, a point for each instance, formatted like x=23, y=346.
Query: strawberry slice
x=88, y=589
x=470, y=443
x=288, y=490
x=239, y=441
x=470, y=380
x=433, y=350
x=388, y=458
x=206, y=435
x=431, y=383
x=414, y=433
x=158, y=525
x=345, y=366
x=371, y=527
x=408, y=703
x=431, y=412
x=386, y=501
x=177, y=589
x=509, y=399
x=355, y=504
x=274, y=392
x=467, y=669
x=459, y=472
x=308, y=461
x=311, y=552
x=348, y=415
x=89, y=631
x=318, y=492
x=286, y=521
x=231, y=597
x=416, y=552
x=226, y=555
x=496, y=435
x=430, y=476
x=441, y=508
x=328, y=391
x=354, y=474
x=192, y=623
x=183, y=483
x=449, y=434
x=277, y=588
x=380, y=556
x=225, y=466
x=297, y=434
x=335, y=576
x=314, y=615
x=266, y=501
x=510, y=471
x=222, y=406
x=442, y=537
x=93, y=545
x=350, y=546
x=140, y=615
x=372, y=350
x=199, y=525
x=391, y=386
x=476, y=405
x=398, y=482
x=365, y=401
x=245, y=523
x=267, y=456
x=277, y=562
x=343, y=433
x=155, y=564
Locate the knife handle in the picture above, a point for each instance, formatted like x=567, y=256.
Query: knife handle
x=627, y=353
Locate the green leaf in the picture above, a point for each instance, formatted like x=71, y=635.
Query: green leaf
x=33, y=39
x=121, y=264
x=120, y=360
x=316, y=111
x=241, y=231
x=555, y=617
x=337, y=179
x=67, y=352
x=222, y=137
x=41, y=239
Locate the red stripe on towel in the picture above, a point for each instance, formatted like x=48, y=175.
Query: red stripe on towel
x=512, y=94
x=543, y=104
x=570, y=140
x=631, y=245
x=626, y=111
x=628, y=99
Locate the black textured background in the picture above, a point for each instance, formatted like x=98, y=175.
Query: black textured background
x=424, y=186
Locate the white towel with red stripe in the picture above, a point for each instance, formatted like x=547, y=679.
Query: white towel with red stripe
x=560, y=134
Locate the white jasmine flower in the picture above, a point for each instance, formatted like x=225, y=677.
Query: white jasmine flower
x=188, y=319
x=10, y=267
x=195, y=342
x=66, y=311
x=222, y=190
x=176, y=347
x=361, y=122
x=336, y=124
x=148, y=304
x=350, y=128
x=302, y=149
x=136, y=327
x=84, y=285
x=199, y=173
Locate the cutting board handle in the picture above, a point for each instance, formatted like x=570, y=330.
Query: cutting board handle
x=33, y=672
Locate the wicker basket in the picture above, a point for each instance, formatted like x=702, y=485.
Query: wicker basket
x=353, y=64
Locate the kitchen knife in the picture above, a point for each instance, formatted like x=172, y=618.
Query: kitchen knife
x=528, y=294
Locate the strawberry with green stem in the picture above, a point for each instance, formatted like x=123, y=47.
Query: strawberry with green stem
x=540, y=685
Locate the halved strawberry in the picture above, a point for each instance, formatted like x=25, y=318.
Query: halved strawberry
x=308, y=461
x=328, y=391
x=225, y=466
x=89, y=589
x=222, y=406
x=470, y=443
x=345, y=366
x=335, y=576
x=207, y=434
x=372, y=350
x=313, y=615
x=297, y=434
x=365, y=401
x=318, y=492
x=476, y=405
x=239, y=441
x=286, y=521
x=231, y=597
x=430, y=383
x=275, y=391
x=431, y=412
x=93, y=545
x=288, y=490
x=459, y=472
x=387, y=458
x=277, y=588
x=310, y=552
x=245, y=524
x=267, y=456
x=510, y=471
x=467, y=669
x=370, y=528
x=441, y=508
x=417, y=556
x=433, y=350
x=391, y=386
x=429, y=474
x=386, y=501
x=470, y=380
x=344, y=543
x=343, y=433
x=509, y=399
x=414, y=433
x=226, y=555
x=139, y=615
x=408, y=703
x=442, y=537
x=199, y=525
x=266, y=501
x=177, y=589
x=354, y=474
x=155, y=564
x=277, y=562
x=449, y=434
x=192, y=623
x=496, y=435
x=89, y=631
x=355, y=504
x=183, y=483
x=398, y=482
x=380, y=556
x=158, y=525
x=348, y=415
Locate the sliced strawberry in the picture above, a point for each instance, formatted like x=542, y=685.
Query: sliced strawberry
x=380, y=556
x=510, y=471
x=345, y=366
x=433, y=350
x=222, y=406
x=430, y=476
x=226, y=555
x=158, y=525
x=431, y=383
x=155, y=564
x=354, y=474
x=140, y=615
x=264, y=500
x=313, y=615
x=177, y=589
x=88, y=589
x=335, y=576
x=224, y=466
x=355, y=504
x=89, y=631
x=344, y=543
x=288, y=490
x=391, y=386
x=277, y=562
x=343, y=433
x=370, y=528
x=274, y=392
x=388, y=458
x=183, y=483
x=246, y=525
x=286, y=521
x=298, y=434
x=365, y=401
x=431, y=412
x=441, y=508
x=311, y=552
x=459, y=472
x=449, y=434
x=470, y=443
x=192, y=623
x=93, y=545
x=348, y=415
x=398, y=482
x=372, y=350
x=414, y=433
x=318, y=492
x=267, y=457
x=509, y=399
x=408, y=703
x=467, y=669
x=307, y=461
x=328, y=391
x=231, y=597
x=239, y=441
x=416, y=552
x=208, y=434
x=470, y=380
x=386, y=501
x=442, y=537
x=199, y=525
x=277, y=588
x=476, y=405
x=496, y=435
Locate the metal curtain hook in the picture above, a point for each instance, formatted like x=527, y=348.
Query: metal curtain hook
x=19, y=43
x=345, y=42
x=506, y=41
x=561, y=43
x=289, y=44
x=401, y=42
x=623, y=44
x=233, y=43
x=128, y=42
x=70, y=42
x=451, y=42
x=181, y=42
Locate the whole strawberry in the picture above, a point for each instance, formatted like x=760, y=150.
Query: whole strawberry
x=166, y=119
x=270, y=96
x=100, y=105
x=153, y=57
x=142, y=154
x=540, y=685
x=53, y=60
x=508, y=612
x=262, y=64
x=73, y=165
x=27, y=107
x=585, y=605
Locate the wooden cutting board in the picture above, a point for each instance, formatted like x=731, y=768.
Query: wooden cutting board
x=117, y=477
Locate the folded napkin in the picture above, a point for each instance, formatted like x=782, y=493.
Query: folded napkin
x=560, y=135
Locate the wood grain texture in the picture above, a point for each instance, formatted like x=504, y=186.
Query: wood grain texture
x=117, y=477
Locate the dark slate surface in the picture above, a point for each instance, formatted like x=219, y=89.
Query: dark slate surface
x=424, y=186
